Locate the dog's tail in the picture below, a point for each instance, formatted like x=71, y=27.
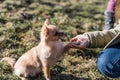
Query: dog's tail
x=9, y=60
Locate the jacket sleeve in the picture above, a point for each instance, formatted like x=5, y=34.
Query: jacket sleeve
x=98, y=39
x=109, y=20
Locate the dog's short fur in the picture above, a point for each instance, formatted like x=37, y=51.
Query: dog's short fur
x=42, y=56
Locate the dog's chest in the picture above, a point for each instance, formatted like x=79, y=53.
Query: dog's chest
x=51, y=53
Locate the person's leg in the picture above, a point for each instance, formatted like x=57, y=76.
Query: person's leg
x=109, y=15
x=108, y=62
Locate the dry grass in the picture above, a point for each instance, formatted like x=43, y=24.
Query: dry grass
x=21, y=21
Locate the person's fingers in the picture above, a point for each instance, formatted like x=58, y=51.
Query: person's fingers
x=73, y=39
x=72, y=44
x=76, y=38
x=78, y=44
x=75, y=46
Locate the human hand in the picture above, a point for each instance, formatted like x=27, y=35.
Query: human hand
x=80, y=41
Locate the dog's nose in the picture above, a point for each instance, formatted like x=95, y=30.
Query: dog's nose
x=61, y=33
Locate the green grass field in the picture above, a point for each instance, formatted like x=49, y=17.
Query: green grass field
x=20, y=24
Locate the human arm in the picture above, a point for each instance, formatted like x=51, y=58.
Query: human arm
x=109, y=15
x=94, y=39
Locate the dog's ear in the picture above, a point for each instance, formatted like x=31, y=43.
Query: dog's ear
x=46, y=31
x=46, y=22
x=45, y=28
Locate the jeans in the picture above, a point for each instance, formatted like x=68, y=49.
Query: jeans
x=108, y=61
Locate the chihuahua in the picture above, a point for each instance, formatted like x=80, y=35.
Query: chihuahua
x=41, y=57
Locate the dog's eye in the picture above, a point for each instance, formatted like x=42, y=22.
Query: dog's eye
x=56, y=33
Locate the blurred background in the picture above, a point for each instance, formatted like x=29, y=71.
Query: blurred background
x=21, y=22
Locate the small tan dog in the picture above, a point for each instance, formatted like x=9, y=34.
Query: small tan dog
x=42, y=56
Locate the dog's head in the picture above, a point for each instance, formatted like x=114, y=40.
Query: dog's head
x=50, y=32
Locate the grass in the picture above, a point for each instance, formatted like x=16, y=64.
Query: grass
x=20, y=24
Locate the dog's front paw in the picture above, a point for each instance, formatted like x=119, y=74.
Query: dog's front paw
x=48, y=79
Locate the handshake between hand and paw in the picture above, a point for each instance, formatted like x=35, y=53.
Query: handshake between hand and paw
x=80, y=42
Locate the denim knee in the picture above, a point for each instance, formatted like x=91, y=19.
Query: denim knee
x=108, y=62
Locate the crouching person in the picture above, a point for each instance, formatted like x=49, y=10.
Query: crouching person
x=108, y=61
